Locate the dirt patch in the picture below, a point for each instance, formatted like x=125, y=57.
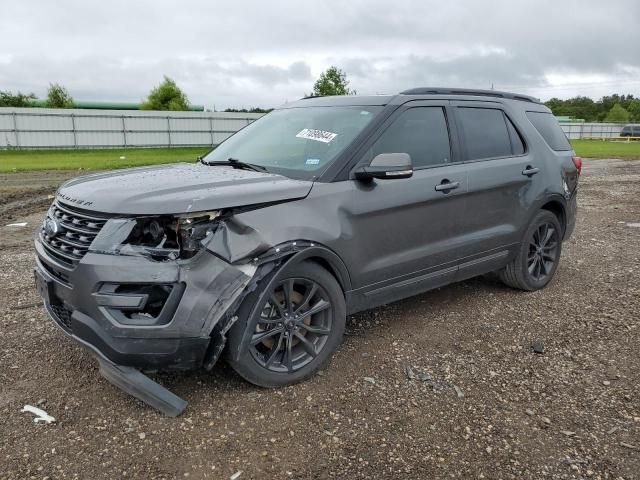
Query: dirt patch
x=572, y=411
x=22, y=193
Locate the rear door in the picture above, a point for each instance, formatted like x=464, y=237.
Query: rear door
x=405, y=230
x=502, y=175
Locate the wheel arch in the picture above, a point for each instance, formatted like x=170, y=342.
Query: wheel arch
x=328, y=260
x=558, y=208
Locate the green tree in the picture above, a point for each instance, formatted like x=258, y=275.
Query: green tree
x=577, y=107
x=586, y=108
x=166, y=96
x=58, y=97
x=8, y=99
x=617, y=114
x=634, y=110
x=332, y=81
x=607, y=102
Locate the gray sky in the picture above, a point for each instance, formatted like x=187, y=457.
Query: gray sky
x=263, y=53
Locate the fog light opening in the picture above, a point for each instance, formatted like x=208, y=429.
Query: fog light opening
x=157, y=297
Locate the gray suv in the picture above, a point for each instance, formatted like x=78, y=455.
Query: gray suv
x=630, y=131
x=325, y=207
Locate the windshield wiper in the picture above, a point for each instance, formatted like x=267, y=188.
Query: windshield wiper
x=235, y=163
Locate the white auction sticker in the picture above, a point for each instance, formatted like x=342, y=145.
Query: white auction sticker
x=317, y=135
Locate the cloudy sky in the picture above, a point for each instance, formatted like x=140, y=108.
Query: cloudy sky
x=264, y=53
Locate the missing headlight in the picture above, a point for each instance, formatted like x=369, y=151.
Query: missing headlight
x=171, y=237
x=193, y=229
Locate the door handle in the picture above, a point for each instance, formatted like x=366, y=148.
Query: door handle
x=530, y=171
x=446, y=186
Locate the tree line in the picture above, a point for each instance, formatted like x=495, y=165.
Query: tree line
x=165, y=96
x=169, y=96
x=57, y=97
x=610, y=108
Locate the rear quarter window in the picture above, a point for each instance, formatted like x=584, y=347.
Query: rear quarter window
x=547, y=125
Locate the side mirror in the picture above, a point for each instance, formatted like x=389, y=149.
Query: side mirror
x=386, y=166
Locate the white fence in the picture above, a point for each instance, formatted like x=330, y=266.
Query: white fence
x=592, y=130
x=78, y=128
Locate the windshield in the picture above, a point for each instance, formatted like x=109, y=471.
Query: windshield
x=298, y=142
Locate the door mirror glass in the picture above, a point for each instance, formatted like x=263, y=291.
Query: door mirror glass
x=387, y=166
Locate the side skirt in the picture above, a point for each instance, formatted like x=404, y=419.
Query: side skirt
x=373, y=295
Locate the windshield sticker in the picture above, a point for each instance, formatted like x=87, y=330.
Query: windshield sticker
x=312, y=161
x=317, y=135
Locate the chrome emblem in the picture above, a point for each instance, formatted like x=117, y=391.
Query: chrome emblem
x=51, y=227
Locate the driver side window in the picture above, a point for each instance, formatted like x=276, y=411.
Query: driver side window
x=421, y=132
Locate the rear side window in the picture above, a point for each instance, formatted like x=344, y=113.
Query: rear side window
x=485, y=134
x=421, y=132
x=548, y=127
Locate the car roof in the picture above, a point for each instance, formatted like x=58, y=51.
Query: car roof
x=340, y=100
x=469, y=92
x=414, y=94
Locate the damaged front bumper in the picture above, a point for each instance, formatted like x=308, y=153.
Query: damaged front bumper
x=135, y=313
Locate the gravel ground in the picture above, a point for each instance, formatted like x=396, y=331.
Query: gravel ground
x=445, y=384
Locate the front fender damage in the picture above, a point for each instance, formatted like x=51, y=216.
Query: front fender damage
x=243, y=258
x=234, y=241
x=246, y=249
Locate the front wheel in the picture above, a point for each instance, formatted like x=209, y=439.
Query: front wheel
x=538, y=255
x=289, y=329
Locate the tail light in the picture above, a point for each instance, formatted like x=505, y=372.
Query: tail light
x=577, y=161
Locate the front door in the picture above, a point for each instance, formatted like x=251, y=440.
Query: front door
x=409, y=227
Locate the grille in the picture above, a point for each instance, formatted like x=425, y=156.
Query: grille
x=62, y=315
x=76, y=231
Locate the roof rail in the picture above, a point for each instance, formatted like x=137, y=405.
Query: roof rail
x=469, y=91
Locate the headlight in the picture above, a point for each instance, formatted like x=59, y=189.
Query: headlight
x=161, y=237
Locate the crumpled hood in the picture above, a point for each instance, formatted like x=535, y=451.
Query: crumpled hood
x=178, y=188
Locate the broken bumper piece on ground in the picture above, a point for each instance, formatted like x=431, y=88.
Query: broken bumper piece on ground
x=137, y=384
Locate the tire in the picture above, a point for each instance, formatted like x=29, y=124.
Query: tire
x=537, y=259
x=269, y=346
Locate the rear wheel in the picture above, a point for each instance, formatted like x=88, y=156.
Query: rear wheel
x=538, y=256
x=288, y=330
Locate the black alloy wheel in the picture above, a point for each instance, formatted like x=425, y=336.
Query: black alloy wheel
x=293, y=326
x=538, y=256
x=288, y=327
x=543, y=251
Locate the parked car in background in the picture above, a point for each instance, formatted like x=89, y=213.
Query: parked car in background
x=630, y=131
x=320, y=209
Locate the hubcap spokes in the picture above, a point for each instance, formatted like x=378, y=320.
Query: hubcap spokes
x=293, y=326
x=543, y=251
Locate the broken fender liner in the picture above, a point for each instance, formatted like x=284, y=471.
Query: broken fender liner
x=137, y=384
x=221, y=328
